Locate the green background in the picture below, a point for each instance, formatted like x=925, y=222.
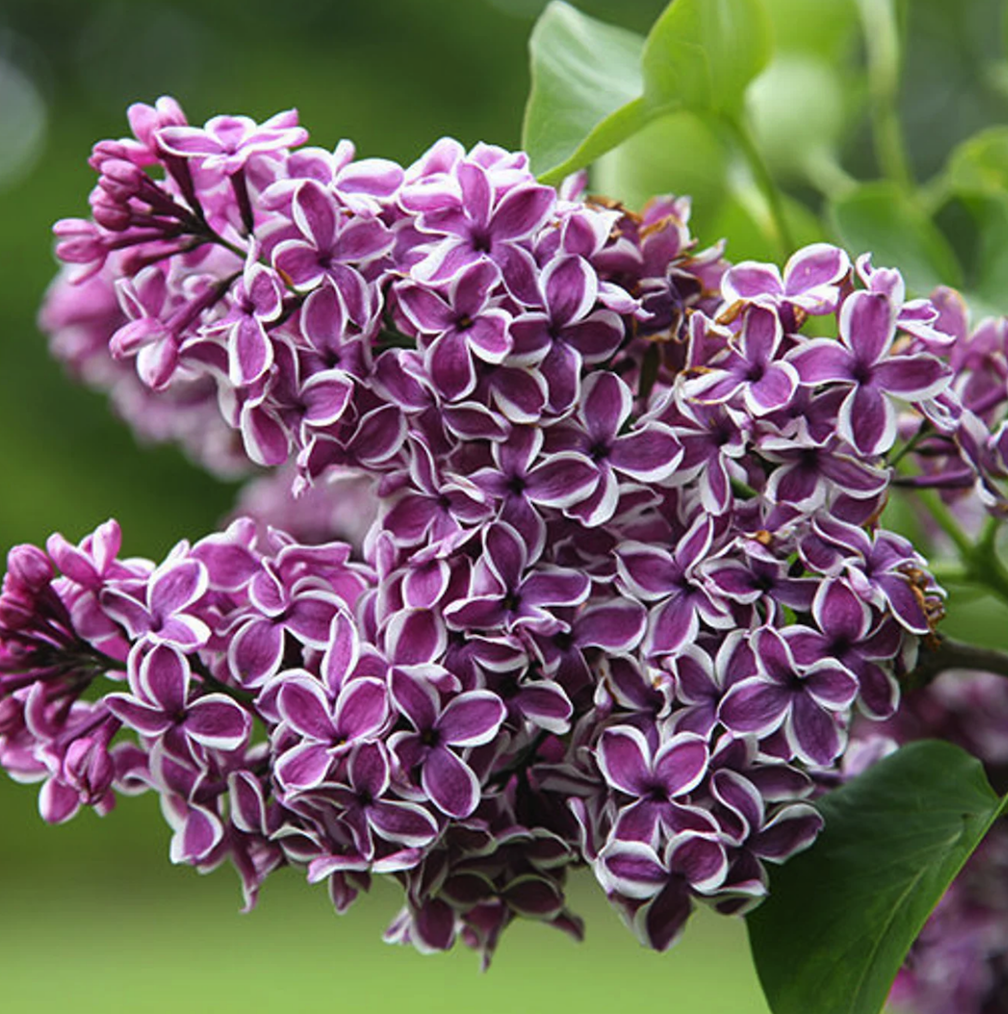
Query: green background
x=92, y=915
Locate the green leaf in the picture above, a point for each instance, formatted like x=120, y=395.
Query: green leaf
x=586, y=90
x=981, y=162
x=824, y=29
x=701, y=54
x=677, y=153
x=988, y=288
x=841, y=917
x=879, y=218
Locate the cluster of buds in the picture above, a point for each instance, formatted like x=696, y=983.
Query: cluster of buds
x=623, y=583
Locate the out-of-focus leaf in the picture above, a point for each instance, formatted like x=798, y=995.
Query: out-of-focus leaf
x=825, y=29
x=988, y=288
x=879, y=218
x=796, y=109
x=678, y=153
x=586, y=90
x=951, y=86
x=701, y=54
x=981, y=162
x=841, y=917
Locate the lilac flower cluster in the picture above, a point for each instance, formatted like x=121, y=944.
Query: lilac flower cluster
x=626, y=582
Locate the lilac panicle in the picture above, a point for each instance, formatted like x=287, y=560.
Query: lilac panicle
x=567, y=549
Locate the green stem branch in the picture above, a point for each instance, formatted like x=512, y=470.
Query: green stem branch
x=881, y=35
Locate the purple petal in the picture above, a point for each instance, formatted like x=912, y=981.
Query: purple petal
x=672, y=624
x=146, y=720
x=369, y=769
x=361, y=708
x=632, y=868
x=831, y=685
x=755, y=705
x=814, y=266
x=614, y=626
x=793, y=829
x=521, y=211
x=681, y=763
x=451, y=367
x=175, y=586
x=867, y=419
x=813, y=732
x=218, y=722
x=471, y=719
x=624, y=759
x=415, y=636
x=823, y=361
x=912, y=377
x=403, y=823
x=255, y=653
x=750, y=279
x=164, y=679
x=701, y=860
x=415, y=698
x=606, y=402
x=304, y=767
x=650, y=454
x=310, y=617
x=555, y=586
x=773, y=390
x=561, y=480
x=867, y=325
x=450, y=783
x=546, y=705
x=840, y=613
x=304, y=706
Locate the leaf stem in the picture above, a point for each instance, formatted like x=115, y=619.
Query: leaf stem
x=764, y=182
x=940, y=654
x=881, y=35
x=980, y=560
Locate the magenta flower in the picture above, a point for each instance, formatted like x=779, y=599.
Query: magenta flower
x=810, y=280
x=473, y=223
x=464, y=323
x=226, y=143
x=804, y=699
x=328, y=727
x=161, y=704
x=749, y=368
x=862, y=361
x=652, y=778
x=158, y=611
x=674, y=582
x=468, y=720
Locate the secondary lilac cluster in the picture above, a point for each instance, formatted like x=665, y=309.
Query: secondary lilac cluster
x=626, y=582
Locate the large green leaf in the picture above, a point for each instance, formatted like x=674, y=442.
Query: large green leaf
x=701, y=54
x=586, y=90
x=879, y=218
x=841, y=917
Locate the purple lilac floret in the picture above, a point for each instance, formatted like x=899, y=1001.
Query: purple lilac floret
x=615, y=582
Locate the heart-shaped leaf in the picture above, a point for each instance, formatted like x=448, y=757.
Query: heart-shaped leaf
x=701, y=54
x=841, y=917
x=586, y=90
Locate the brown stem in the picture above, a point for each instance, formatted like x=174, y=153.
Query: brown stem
x=940, y=654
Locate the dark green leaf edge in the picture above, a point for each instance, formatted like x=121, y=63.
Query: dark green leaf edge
x=800, y=981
